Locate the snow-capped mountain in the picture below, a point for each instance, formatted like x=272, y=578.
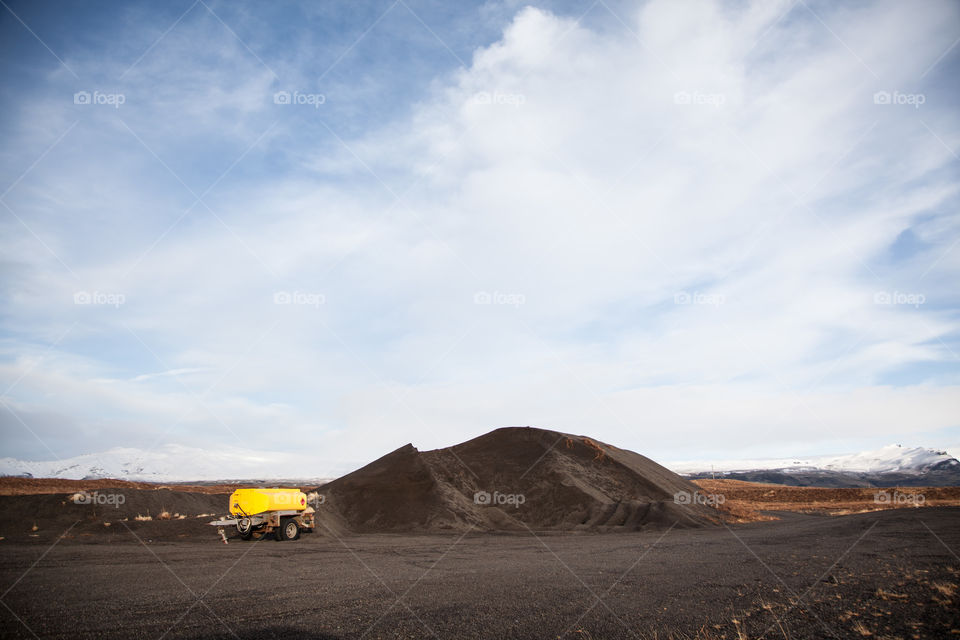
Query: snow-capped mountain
x=890, y=465
x=884, y=460
x=174, y=463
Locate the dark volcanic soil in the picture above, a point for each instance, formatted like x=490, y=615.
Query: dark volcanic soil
x=45, y=517
x=141, y=562
x=511, y=479
x=892, y=574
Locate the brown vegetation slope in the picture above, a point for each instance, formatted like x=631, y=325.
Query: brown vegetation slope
x=745, y=500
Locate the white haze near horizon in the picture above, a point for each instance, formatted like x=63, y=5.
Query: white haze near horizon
x=686, y=221
x=175, y=463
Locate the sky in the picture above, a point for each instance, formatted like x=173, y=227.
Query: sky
x=690, y=229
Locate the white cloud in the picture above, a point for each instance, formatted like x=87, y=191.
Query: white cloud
x=723, y=154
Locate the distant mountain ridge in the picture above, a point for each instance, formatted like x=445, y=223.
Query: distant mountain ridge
x=893, y=465
x=888, y=466
x=175, y=463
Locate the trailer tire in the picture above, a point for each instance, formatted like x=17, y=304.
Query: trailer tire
x=288, y=530
x=245, y=528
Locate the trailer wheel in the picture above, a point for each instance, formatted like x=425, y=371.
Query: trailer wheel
x=289, y=530
x=245, y=528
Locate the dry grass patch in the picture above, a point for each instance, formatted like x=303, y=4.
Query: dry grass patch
x=861, y=629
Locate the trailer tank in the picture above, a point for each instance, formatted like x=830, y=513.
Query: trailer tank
x=248, y=502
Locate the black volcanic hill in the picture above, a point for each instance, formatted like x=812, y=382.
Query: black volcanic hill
x=511, y=479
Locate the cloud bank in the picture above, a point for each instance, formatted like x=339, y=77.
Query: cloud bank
x=688, y=230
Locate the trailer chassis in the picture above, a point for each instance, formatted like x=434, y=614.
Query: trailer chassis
x=284, y=525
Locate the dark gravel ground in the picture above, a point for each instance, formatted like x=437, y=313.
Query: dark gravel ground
x=892, y=574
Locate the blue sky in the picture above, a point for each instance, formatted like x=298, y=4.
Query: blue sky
x=717, y=229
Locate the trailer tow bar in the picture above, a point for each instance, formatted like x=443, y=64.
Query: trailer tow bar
x=223, y=535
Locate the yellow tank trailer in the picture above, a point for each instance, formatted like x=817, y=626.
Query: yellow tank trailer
x=249, y=502
x=258, y=512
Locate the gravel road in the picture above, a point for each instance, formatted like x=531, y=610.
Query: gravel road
x=891, y=574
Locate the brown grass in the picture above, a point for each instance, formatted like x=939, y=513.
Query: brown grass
x=883, y=594
x=746, y=500
x=860, y=628
x=37, y=486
